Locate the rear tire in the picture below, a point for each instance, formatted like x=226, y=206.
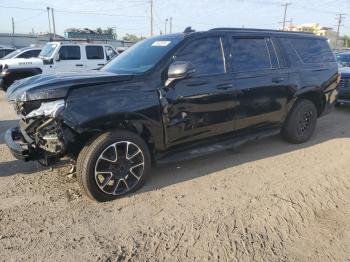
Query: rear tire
x=301, y=122
x=113, y=165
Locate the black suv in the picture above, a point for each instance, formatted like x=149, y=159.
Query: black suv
x=171, y=98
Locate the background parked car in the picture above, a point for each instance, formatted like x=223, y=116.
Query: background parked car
x=5, y=51
x=56, y=57
x=343, y=59
x=26, y=52
x=344, y=86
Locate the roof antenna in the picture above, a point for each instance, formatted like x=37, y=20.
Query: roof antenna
x=189, y=30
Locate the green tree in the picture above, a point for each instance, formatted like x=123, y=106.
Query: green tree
x=132, y=38
x=99, y=30
x=109, y=31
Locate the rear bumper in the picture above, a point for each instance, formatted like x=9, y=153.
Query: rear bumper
x=19, y=148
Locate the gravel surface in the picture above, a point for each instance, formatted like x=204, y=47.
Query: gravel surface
x=273, y=201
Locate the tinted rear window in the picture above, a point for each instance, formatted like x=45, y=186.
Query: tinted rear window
x=313, y=50
x=250, y=54
x=94, y=52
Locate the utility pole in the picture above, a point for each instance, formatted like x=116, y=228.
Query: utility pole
x=171, y=25
x=340, y=20
x=151, y=1
x=13, y=26
x=53, y=24
x=13, y=31
x=285, y=14
x=48, y=16
x=166, y=25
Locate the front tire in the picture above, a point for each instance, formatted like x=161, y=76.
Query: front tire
x=113, y=165
x=301, y=122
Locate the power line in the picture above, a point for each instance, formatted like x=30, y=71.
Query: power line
x=74, y=12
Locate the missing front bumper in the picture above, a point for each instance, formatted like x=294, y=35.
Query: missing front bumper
x=19, y=148
x=18, y=141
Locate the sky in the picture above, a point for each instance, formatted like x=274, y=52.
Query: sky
x=133, y=16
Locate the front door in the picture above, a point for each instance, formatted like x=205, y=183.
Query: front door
x=201, y=106
x=70, y=59
x=261, y=84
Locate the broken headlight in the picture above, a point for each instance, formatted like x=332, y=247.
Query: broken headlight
x=50, y=109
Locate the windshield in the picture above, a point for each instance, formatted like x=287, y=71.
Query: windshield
x=343, y=58
x=12, y=54
x=142, y=56
x=48, y=50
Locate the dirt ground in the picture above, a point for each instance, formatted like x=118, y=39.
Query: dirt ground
x=273, y=201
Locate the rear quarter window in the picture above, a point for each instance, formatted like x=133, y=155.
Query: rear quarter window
x=313, y=50
x=94, y=52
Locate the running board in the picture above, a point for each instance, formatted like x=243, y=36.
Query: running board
x=233, y=143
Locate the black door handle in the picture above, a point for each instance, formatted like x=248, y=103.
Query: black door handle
x=277, y=79
x=79, y=65
x=224, y=86
x=100, y=64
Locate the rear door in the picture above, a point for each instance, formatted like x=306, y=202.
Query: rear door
x=95, y=56
x=71, y=59
x=261, y=82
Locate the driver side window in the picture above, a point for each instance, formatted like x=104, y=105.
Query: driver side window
x=70, y=53
x=206, y=54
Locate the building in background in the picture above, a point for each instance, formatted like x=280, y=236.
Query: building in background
x=86, y=33
x=23, y=40
x=317, y=29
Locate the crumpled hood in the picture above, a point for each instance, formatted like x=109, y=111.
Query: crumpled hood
x=54, y=86
x=22, y=62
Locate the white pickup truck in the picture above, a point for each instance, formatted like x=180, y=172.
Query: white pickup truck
x=56, y=57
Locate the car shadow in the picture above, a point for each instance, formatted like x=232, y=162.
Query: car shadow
x=333, y=126
x=15, y=167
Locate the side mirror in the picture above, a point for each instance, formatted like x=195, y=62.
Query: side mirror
x=57, y=57
x=181, y=70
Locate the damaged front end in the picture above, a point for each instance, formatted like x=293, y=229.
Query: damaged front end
x=41, y=134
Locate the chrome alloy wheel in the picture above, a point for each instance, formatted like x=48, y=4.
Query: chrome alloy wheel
x=119, y=168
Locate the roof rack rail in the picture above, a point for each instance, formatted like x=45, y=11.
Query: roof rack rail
x=255, y=29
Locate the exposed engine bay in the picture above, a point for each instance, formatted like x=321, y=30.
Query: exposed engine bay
x=43, y=130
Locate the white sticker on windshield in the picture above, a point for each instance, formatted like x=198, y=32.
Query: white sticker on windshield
x=161, y=43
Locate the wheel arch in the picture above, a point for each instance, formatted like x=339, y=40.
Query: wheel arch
x=315, y=96
x=138, y=127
